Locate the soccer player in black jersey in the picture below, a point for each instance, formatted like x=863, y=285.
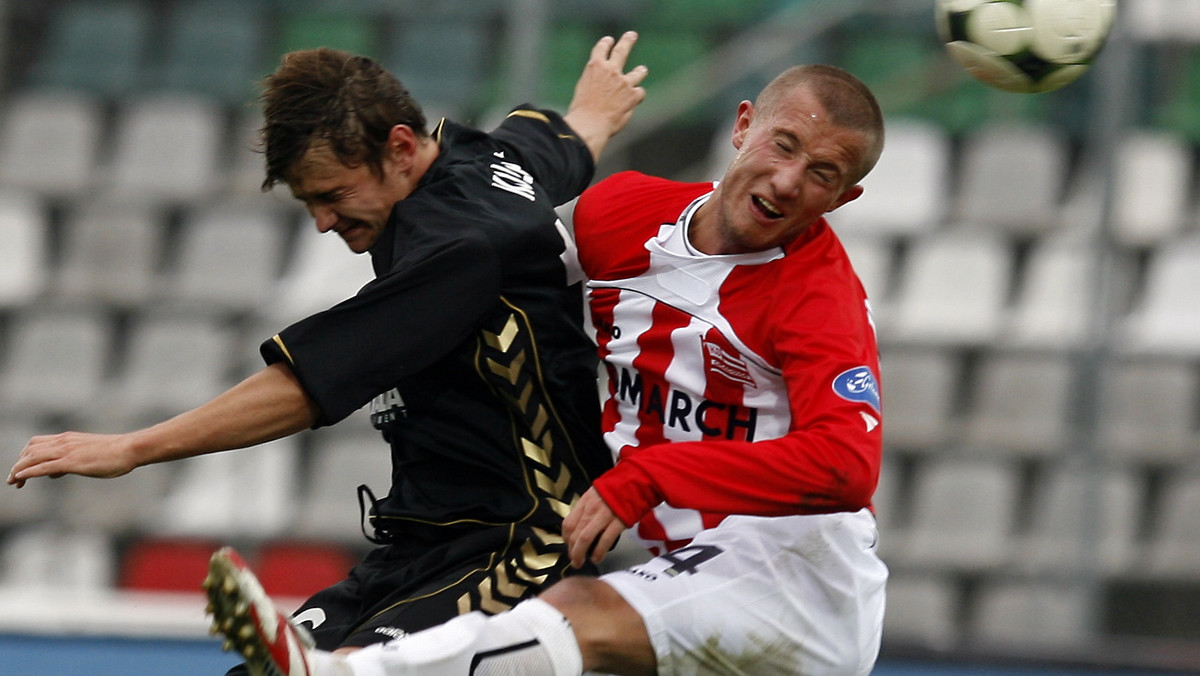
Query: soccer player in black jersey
x=468, y=345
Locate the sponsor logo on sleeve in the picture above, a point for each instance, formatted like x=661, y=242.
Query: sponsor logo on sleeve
x=858, y=385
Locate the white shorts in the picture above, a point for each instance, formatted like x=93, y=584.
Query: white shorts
x=769, y=596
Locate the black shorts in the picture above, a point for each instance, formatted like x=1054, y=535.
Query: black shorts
x=406, y=587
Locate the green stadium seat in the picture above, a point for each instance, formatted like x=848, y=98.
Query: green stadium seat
x=350, y=31
x=95, y=46
x=214, y=47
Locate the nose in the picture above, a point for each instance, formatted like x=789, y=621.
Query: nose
x=325, y=218
x=788, y=179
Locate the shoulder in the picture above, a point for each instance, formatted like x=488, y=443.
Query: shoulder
x=633, y=197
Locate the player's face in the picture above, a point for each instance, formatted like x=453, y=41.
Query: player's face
x=793, y=165
x=352, y=201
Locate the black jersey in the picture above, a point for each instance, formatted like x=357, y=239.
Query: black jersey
x=469, y=343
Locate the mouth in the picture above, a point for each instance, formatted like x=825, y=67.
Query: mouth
x=766, y=208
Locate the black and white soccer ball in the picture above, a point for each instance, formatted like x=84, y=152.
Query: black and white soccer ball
x=1025, y=46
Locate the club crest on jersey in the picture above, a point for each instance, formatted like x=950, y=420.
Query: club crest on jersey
x=729, y=365
x=859, y=385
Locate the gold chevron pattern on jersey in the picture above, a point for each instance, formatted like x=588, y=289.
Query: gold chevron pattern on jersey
x=509, y=362
x=519, y=576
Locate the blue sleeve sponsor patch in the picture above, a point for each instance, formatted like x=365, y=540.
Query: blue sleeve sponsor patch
x=859, y=385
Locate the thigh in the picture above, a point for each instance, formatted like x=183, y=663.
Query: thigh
x=764, y=596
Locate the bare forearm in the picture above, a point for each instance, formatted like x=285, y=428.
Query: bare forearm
x=268, y=405
x=265, y=406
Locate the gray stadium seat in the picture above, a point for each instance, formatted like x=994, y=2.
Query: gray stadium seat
x=1013, y=177
x=1165, y=319
x=1172, y=551
x=907, y=192
x=110, y=254
x=953, y=290
x=1148, y=411
x=1030, y=613
x=172, y=363
x=1150, y=163
x=920, y=388
x=55, y=361
x=1021, y=404
x=24, y=258
x=244, y=493
x=963, y=515
x=1082, y=520
x=229, y=257
x=167, y=147
x=50, y=141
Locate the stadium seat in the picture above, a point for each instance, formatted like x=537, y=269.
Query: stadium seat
x=166, y=564
x=301, y=569
x=1150, y=163
x=953, y=289
x=50, y=141
x=247, y=493
x=907, y=192
x=48, y=558
x=120, y=506
x=1013, y=178
x=1053, y=304
x=920, y=390
x=342, y=458
x=319, y=274
x=309, y=28
x=1172, y=550
x=1021, y=404
x=173, y=362
x=98, y=46
x=423, y=46
x=1082, y=519
x=229, y=256
x=922, y=610
x=963, y=515
x=215, y=48
x=1165, y=319
x=141, y=168
x=1148, y=411
x=55, y=361
x=24, y=258
x=872, y=258
x=110, y=254
x=1012, y=613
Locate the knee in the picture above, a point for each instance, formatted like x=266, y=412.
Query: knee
x=611, y=635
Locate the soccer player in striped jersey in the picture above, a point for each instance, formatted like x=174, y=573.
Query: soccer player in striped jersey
x=744, y=409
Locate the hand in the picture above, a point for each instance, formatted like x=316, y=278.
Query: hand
x=591, y=528
x=605, y=94
x=94, y=455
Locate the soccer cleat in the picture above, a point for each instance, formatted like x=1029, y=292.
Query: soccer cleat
x=245, y=615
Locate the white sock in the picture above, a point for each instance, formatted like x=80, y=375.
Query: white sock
x=533, y=639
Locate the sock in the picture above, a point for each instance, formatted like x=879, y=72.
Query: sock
x=533, y=639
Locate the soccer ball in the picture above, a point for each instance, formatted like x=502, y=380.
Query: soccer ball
x=1025, y=46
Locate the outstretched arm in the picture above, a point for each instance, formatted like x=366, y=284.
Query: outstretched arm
x=268, y=405
x=605, y=94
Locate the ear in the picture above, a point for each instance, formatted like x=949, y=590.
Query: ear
x=402, y=146
x=852, y=193
x=745, y=116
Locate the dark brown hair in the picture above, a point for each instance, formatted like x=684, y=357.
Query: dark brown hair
x=348, y=101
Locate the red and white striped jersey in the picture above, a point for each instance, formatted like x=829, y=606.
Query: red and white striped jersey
x=737, y=384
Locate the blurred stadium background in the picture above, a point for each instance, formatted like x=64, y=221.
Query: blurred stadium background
x=1034, y=263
